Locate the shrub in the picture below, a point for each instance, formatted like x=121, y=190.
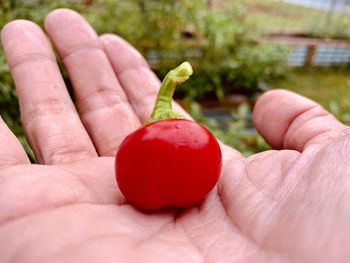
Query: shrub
x=220, y=44
x=236, y=131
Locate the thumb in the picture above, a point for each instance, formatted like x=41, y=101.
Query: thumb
x=289, y=121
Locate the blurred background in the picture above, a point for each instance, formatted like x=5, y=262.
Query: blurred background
x=238, y=49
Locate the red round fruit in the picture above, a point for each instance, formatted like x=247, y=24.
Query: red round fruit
x=171, y=162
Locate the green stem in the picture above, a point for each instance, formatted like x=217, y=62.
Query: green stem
x=163, y=107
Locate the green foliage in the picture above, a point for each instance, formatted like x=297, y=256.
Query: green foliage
x=220, y=44
x=334, y=25
x=34, y=10
x=281, y=16
x=8, y=101
x=236, y=131
x=321, y=84
x=9, y=110
x=341, y=110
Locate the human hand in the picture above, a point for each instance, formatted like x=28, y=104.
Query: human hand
x=289, y=205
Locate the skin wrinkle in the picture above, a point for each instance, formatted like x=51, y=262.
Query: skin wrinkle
x=231, y=219
x=9, y=220
x=19, y=249
x=287, y=135
x=153, y=235
x=14, y=258
x=202, y=252
x=114, y=140
x=329, y=136
x=138, y=258
x=88, y=46
x=287, y=223
x=133, y=68
x=115, y=42
x=283, y=143
x=291, y=188
x=9, y=160
x=92, y=195
x=78, y=195
x=32, y=57
x=68, y=249
x=173, y=223
x=322, y=157
x=219, y=184
x=49, y=107
x=278, y=184
x=246, y=172
x=315, y=111
x=106, y=94
x=146, y=100
x=247, y=163
x=179, y=218
x=281, y=185
x=58, y=151
x=120, y=199
x=319, y=134
x=117, y=234
x=4, y=224
x=59, y=154
x=6, y=172
x=301, y=197
x=206, y=225
x=108, y=99
x=256, y=243
x=151, y=94
x=292, y=180
x=236, y=225
x=113, y=150
x=196, y=247
x=48, y=210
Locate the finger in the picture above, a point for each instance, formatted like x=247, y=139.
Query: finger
x=289, y=121
x=139, y=82
x=50, y=120
x=11, y=150
x=102, y=103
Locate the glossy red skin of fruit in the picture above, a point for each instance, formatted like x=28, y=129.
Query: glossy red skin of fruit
x=171, y=162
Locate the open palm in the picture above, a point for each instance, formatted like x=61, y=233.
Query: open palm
x=276, y=206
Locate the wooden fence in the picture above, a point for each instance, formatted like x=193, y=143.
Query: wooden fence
x=313, y=51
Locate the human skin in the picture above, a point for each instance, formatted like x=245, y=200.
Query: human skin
x=290, y=204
